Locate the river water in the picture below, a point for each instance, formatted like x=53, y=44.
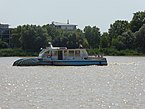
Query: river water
x=120, y=85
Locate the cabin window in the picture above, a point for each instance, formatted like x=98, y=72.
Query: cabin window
x=65, y=52
x=60, y=55
x=54, y=53
x=47, y=54
x=77, y=53
x=71, y=53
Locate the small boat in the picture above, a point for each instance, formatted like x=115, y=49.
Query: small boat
x=61, y=56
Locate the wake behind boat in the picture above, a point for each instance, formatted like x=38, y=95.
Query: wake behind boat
x=61, y=56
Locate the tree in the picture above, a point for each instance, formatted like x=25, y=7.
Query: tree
x=104, y=41
x=128, y=39
x=92, y=35
x=41, y=38
x=117, y=28
x=140, y=39
x=81, y=38
x=27, y=38
x=33, y=37
x=16, y=34
x=3, y=44
x=137, y=21
x=52, y=31
x=117, y=43
x=70, y=39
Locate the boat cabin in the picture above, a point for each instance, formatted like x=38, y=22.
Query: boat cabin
x=62, y=53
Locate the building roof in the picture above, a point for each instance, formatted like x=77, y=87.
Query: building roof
x=3, y=26
x=62, y=24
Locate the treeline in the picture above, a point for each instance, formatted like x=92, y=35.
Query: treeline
x=122, y=36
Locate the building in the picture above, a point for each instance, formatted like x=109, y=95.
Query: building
x=5, y=33
x=64, y=26
x=4, y=26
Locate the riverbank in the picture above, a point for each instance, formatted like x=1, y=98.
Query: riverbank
x=16, y=52
x=115, y=52
x=107, y=51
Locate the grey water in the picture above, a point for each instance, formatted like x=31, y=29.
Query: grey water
x=120, y=85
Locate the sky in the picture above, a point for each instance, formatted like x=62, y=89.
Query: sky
x=100, y=13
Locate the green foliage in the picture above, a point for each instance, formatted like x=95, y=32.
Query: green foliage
x=70, y=39
x=115, y=32
x=122, y=38
x=140, y=39
x=128, y=39
x=3, y=44
x=16, y=34
x=29, y=37
x=115, y=52
x=137, y=21
x=117, y=28
x=124, y=41
x=16, y=52
x=93, y=51
x=104, y=41
x=93, y=35
x=117, y=43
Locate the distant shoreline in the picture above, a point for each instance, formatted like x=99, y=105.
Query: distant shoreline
x=9, y=52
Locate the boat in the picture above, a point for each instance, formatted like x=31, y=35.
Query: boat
x=62, y=56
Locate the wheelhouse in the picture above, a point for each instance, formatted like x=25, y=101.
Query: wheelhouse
x=62, y=53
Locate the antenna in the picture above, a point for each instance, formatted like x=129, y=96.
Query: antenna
x=50, y=44
x=67, y=21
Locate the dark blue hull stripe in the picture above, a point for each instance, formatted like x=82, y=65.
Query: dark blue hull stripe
x=73, y=62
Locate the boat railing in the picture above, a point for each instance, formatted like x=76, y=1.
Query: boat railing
x=98, y=57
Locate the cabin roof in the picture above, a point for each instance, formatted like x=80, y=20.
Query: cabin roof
x=63, y=48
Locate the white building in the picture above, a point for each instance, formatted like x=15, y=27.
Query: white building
x=64, y=26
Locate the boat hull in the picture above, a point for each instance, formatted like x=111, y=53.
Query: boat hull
x=79, y=62
x=36, y=62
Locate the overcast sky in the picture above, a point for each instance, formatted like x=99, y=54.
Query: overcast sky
x=100, y=13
